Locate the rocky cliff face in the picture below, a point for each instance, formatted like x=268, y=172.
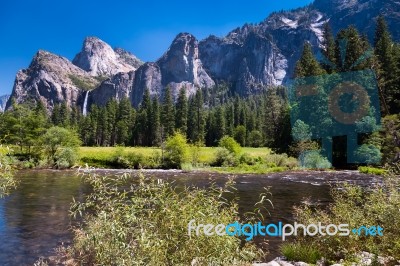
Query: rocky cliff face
x=3, y=102
x=51, y=79
x=118, y=87
x=179, y=67
x=99, y=59
x=361, y=13
x=248, y=58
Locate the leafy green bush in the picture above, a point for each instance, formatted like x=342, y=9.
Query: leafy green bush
x=291, y=163
x=357, y=207
x=240, y=135
x=230, y=144
x=148, y=225
x=245, y=158
x=276, y=159
x=371, y=170
x=281, y=160
x=176, y=150
x=314, y=160
x=255, y=139
x=7, y=180
x=225, y=158
x=60, y=146
x=66, y=157
x=301, y=252
x=135, y=160
x=368, y=154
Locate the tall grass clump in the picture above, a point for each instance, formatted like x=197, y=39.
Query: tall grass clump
x=357, y=207
x=7, y=180
x=145, y=222
x=301, y=252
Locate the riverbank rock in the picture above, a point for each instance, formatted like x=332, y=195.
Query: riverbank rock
x=364, y=259
x=280, y=262
x=271, y=263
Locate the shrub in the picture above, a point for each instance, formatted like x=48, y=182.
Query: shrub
x=281, y=160
x=119, y=159
x=276, y=159
x=148, y=225
x=255, y=139
x=135, y=160
x=66, y=157
x=245, y=158
x=240, y=135
x=291, y=163
x=371, y=170
x=356, y=206
x=225, y=158
x=7, y=180
x=176, y=150
x=314, y=160
x=230, y=144
x=368, y=154
x=57, y=139
x=301, y=252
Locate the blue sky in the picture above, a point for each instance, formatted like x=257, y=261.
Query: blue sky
x=145, y=28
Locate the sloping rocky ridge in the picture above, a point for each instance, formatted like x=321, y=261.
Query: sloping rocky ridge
x=99, y=59
x=253, y=57
x=249, y=58
x=52, y=79
x=179, y=67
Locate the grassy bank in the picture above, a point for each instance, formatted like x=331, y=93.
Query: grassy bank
x=151, y=157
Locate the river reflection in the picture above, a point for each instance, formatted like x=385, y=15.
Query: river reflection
x=34, y=219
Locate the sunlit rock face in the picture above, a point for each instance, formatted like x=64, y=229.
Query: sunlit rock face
x=99, y=59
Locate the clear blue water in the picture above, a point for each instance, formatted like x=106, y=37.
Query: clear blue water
x=34, y=218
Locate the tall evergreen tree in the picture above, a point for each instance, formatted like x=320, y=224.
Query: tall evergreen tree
x=328, y=49
x=388, y=69
x=155, y=123
x=350, y=47
x=168, y=113
x=181, y=111
x=196, y=119
x=219, y=117
x=307, y=65
x=143, y=125
x=123, y=123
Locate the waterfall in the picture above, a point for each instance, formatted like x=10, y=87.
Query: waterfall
x=85, y=104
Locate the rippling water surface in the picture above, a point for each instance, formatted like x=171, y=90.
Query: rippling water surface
x=34, y=219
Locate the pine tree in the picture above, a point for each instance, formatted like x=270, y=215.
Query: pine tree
x=123, y=123
x=65, y=115
x=230, y=119
x=143, y=126
x=328, y=50
x=388, y=69
x=168, y=113
x=155, y=123
x=196, y=119
x=219, y=123
x=307, y=65
x=110, y=135
x=182, y=111
x=350, y=47
x=55, y=115
x=210, y=125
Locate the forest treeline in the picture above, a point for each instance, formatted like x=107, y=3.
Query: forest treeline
x=204, y=118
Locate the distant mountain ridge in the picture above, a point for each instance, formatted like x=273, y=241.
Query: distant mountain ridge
x=248, y=58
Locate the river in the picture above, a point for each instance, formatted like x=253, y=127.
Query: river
x=34, y=218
